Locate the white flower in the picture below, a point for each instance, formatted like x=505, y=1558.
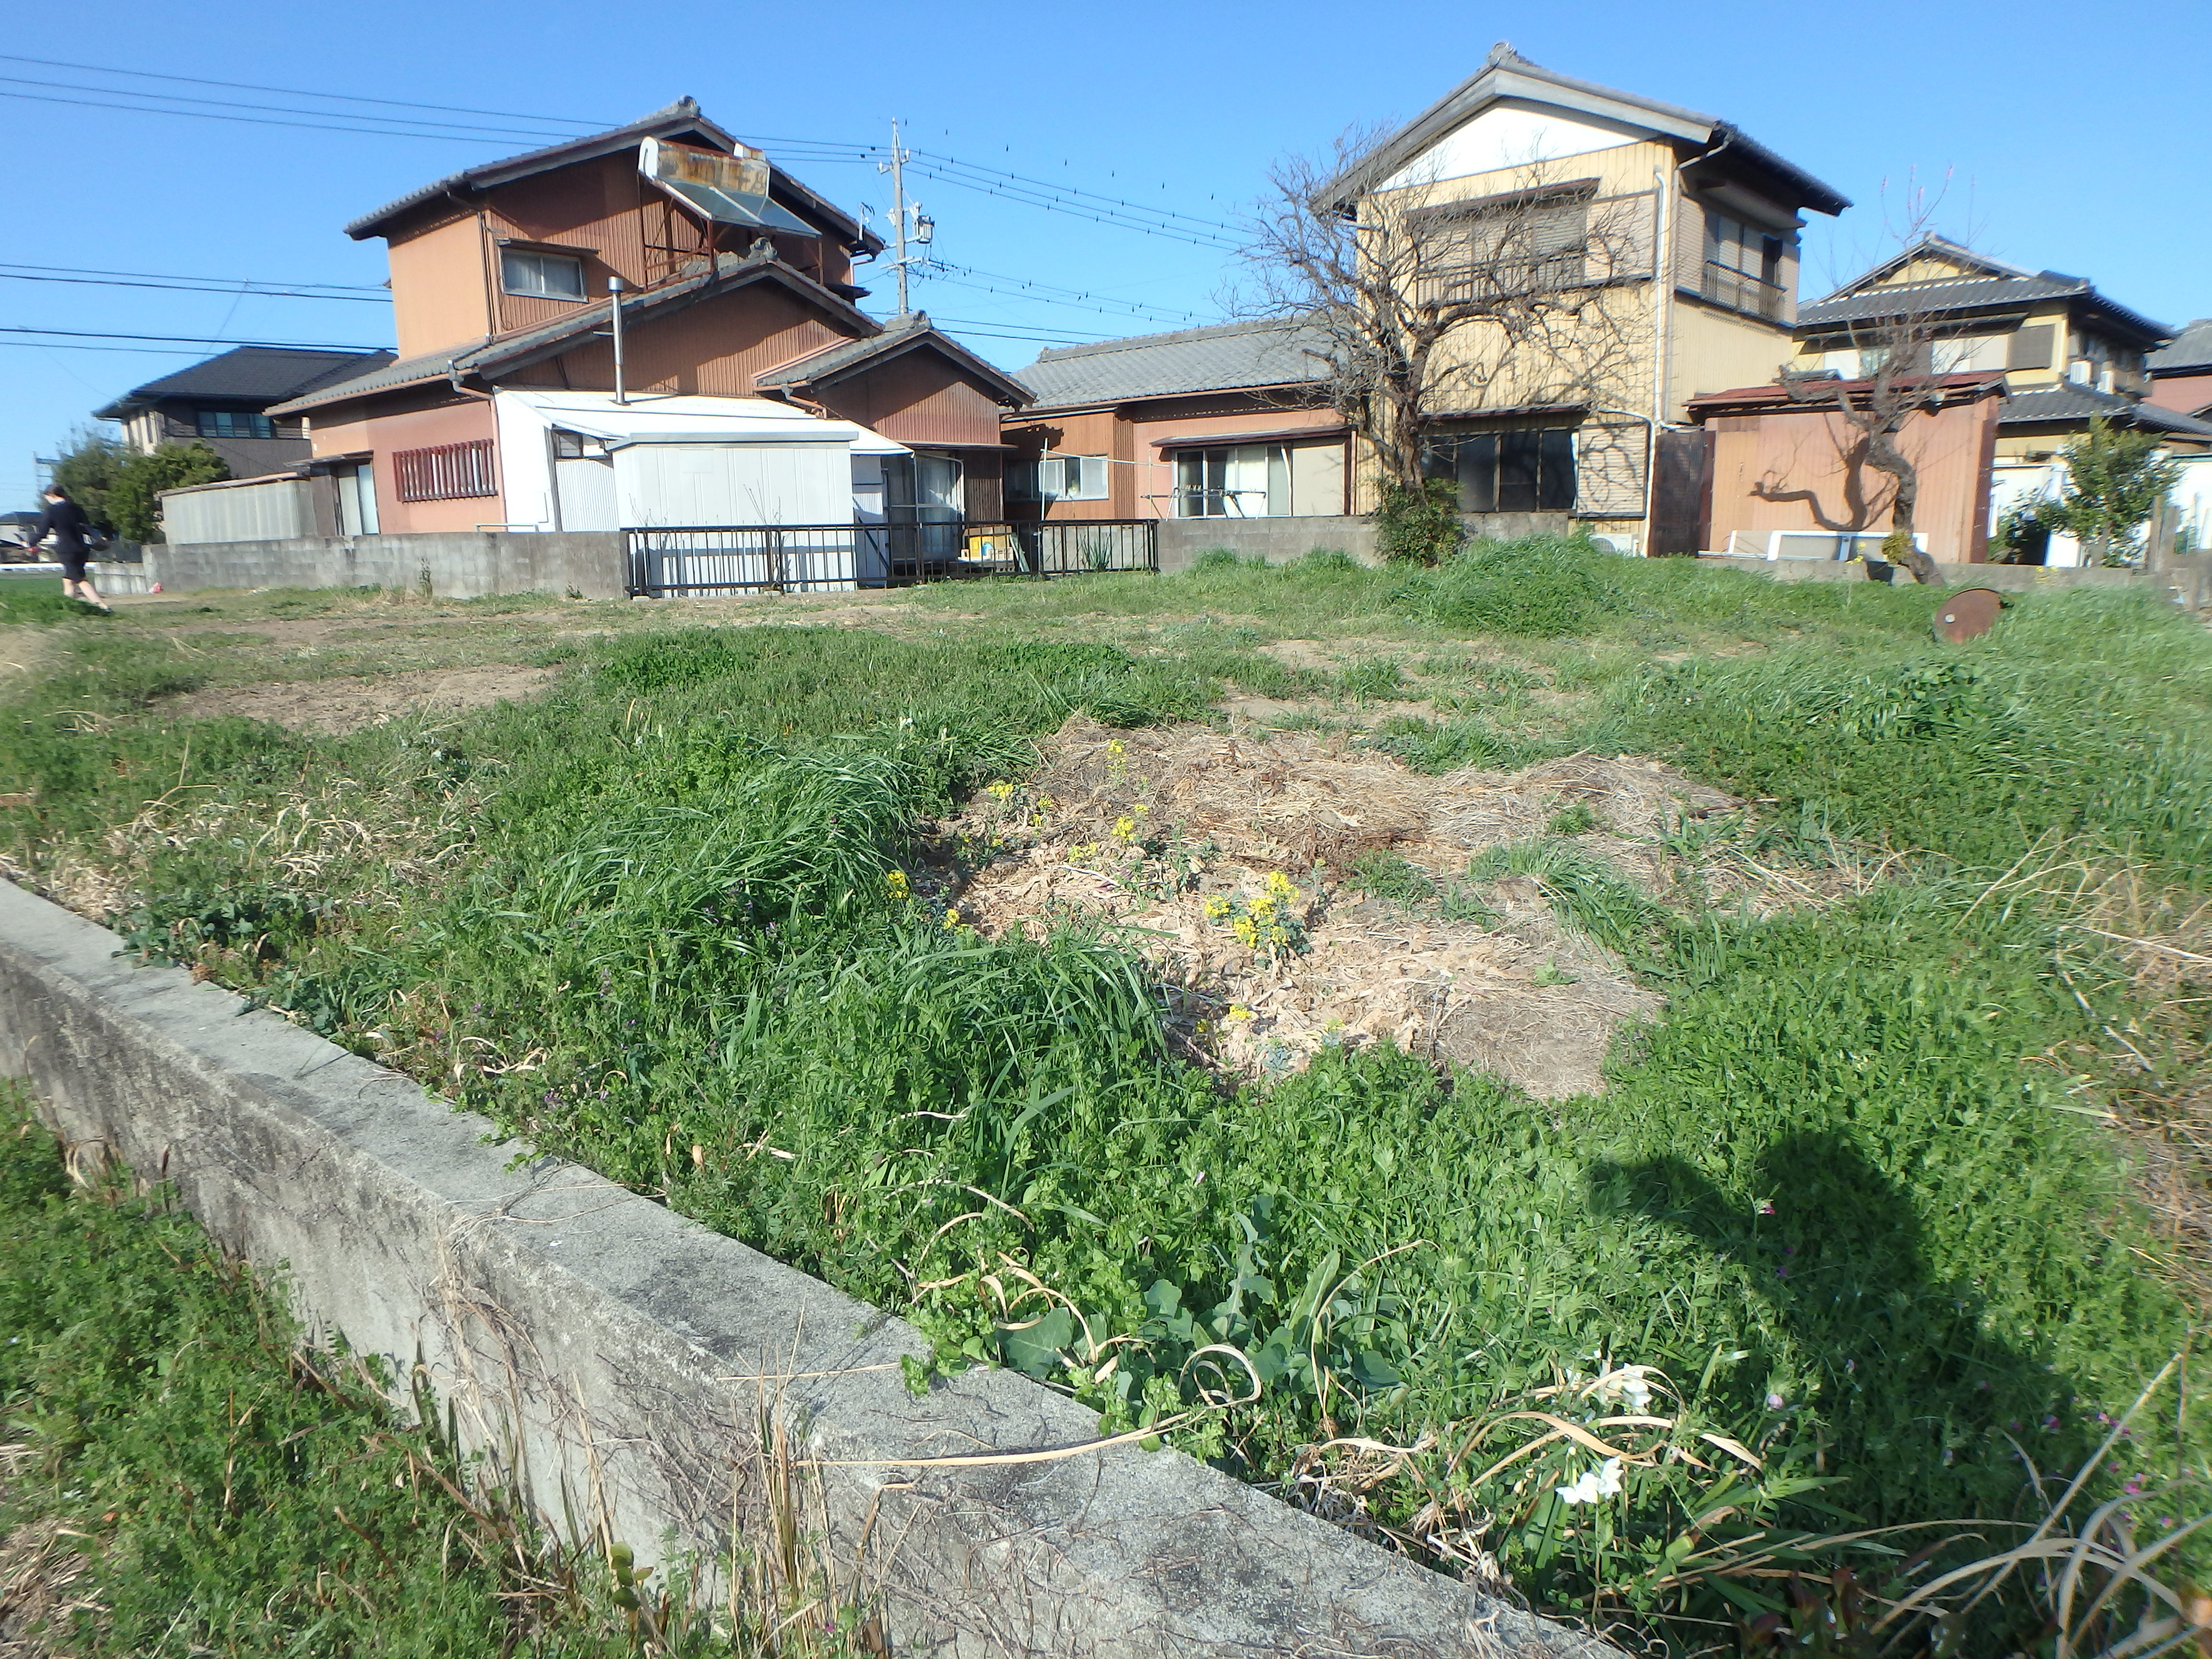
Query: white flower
x=1627, y=1386
x=1601, y=1482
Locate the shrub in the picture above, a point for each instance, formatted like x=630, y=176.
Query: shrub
x=1420, y=525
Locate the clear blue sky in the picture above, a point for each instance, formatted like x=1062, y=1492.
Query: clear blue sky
x=2070, y=132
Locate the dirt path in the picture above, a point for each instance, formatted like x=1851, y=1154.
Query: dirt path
x=349, y=704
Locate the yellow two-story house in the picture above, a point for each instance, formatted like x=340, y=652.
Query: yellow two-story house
x=1688, y=225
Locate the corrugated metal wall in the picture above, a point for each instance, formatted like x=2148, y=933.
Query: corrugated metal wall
x=276, y=510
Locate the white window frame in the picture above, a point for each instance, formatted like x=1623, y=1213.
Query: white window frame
x=535, y=261
x=1074, y=478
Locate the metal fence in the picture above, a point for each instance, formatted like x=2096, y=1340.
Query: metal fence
x=682, y=561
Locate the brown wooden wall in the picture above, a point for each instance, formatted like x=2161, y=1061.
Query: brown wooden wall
x=712, y=348
x=917, y=398
x=445, y=269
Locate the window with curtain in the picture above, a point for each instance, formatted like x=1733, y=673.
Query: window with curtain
x=1239, y=481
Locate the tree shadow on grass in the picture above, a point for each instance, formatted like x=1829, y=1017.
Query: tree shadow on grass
x=1914, y=1392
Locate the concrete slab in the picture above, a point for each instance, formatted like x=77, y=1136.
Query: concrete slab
x=627, y=1362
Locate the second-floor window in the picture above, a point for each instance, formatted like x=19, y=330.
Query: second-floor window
x=541, y=276
x=232, y=423
x=1527, y=241
x=1743, y=265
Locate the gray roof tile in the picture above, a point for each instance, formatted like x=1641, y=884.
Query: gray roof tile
x=258, y=375
x=1230, y=355
x=2192, y=349
x=2069, y=401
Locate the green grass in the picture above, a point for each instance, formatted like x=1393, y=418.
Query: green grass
x=1843, y=1197
x=232, y=1493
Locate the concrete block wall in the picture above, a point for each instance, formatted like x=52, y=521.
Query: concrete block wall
x=626, y=1363
x=460, y=564
x=2186, y=581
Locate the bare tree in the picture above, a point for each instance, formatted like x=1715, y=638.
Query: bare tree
x=1420, y=302
x=1902, y=353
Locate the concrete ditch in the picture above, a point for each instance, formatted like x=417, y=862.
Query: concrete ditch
x=628, y=1364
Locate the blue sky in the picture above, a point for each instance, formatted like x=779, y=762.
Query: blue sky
x=2066, y=132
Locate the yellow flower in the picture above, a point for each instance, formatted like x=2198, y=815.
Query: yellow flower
x=1239, y=1011
x=1279, y=884
x=1115, y=746
x=999, y=790
x=897, y=881
x=1125, y=828
x=1215, y=906
x=951, y=917
x=1246, y=933
x=1261, y=906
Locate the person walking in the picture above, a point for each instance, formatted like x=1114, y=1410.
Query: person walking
x=65, y=522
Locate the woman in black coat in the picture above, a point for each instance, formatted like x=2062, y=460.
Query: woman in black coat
x=64, y=521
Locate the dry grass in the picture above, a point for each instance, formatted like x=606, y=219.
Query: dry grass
x=1236, y=863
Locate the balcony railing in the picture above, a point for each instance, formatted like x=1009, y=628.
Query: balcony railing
x=683, y=560
x=1739, y=292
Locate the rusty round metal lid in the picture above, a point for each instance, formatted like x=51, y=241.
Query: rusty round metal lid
x=1967, y=613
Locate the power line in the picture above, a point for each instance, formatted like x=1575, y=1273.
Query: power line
x=246, y=287
x=299, y=92
x=192, y=339
x=1042, y=294
x=253, y=120
x=949, y=169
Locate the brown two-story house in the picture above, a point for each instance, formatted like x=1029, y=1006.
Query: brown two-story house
x=750, y=386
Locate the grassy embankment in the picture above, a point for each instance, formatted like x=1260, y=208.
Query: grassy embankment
x=1856, y=1202
x=179, y=1476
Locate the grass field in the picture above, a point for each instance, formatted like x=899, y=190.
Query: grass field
x=179, y=1476
x=1886, y=1219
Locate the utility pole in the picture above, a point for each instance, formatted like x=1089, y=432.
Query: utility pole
x=897, y=167
x=908, y=221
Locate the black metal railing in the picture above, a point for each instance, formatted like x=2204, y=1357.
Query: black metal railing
x=684, y=560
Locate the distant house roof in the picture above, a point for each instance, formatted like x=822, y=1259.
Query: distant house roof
x=1227, y=357
x=1993, y=286
x=728, y=273
x=681, y=119
x=910, y=332
x=2070, y=402
x=1818, y=393
x=1505, y=74
x=260, y=375
x=2189, y=354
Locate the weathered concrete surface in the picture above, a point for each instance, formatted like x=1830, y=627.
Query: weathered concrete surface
x=625, y=1358
x=1276, y=540
x=2186, y=581
x=461, y=564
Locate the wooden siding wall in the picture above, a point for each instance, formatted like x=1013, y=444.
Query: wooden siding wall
x=446, y=278
x=712, y=348
x=1802, y=469
x=918, y=398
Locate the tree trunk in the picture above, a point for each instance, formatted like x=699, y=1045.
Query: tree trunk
x=1899, y=547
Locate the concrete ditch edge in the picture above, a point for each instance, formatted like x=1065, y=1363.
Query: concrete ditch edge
x=628, y=1361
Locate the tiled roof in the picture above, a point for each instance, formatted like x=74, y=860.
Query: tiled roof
x=1507, y=74
x=1230, y=355
x=256, y=375
x=682, y=116
x=2069, y=401
x=529, y=345
x=2192, y=349
x=904, y=333
x=1996, y=286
